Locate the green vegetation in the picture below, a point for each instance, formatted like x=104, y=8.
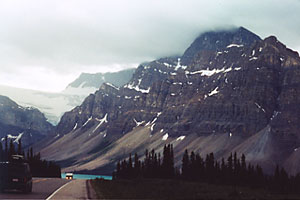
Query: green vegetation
x=152, y=167
x=42, y=168
x=177, y=189
x=155, y=177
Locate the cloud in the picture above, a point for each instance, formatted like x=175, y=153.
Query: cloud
x=68, y=37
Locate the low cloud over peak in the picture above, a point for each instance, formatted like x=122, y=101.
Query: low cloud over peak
x=66, y=38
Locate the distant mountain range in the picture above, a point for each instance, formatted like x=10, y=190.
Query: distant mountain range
x=230, y=91
x=54, y=105
x=21, y=123
x=86, y=80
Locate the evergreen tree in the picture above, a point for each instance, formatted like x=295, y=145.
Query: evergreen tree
x=193, y=169
x=38, y=156
x=243, y=170
x=1, y=152
x=251, y=175
x=223, y=172
x=159, y=160
x=137, y=166
x=229, y=163
x=124, y=171
x=168, y=162
x=243, y=162
x=210, y=167
x=20, y=147
x=236, y=169
x=146, y=164
x=277, y=173
x=155, y=166
x=218, y=172
x=118, y=172
x=12, y=150
x=229, y=171
x=31, y=153
x=283, y=180
x=172, y=168
x=259, y=176
x=212, y=170
x=6, y=148
x=130, y=167
x=159, y=165
x=235, y=161
x=199, y=166
x=185, y=164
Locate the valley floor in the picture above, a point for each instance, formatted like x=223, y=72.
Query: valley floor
x=176, y=189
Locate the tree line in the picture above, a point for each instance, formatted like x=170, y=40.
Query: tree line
x=231, y=171
x=39, y=167
x=153, y=165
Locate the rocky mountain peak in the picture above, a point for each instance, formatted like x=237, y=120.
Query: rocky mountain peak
x=148, y=73
x=280, y=47
x=271, y=39
x=95, y=80
x=5, y=101
x=218, y=40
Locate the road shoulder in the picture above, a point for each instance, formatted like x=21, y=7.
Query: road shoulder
x=76, y=189
x=90, y=190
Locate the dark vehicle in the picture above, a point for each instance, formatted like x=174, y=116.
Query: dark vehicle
x=15, y=174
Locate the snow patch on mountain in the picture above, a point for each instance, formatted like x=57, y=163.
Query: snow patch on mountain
x=165, y=137
x=138, y=123
x=210, y=72
x=179, y=66
x=180, y=138
x=132, y=86
x=260, y=107
x=74, y=128
x=87, y=121
x=101, y=121
x=111, y=85
x=215, y=91
x=235, y=45
x=15, y=138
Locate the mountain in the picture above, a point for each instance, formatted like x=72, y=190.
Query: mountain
x=17, y=122
x=219, y=40
x=92, y=82
x=54, y=105
x=238, y=94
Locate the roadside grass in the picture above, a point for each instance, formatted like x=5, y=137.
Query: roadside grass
x=177, y=189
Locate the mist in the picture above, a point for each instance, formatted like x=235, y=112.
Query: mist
x=45, y=45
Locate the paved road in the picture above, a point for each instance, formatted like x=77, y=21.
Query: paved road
x=77, y=189
x=42, y=189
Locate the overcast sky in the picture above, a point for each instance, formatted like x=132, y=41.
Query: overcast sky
x=46, y=44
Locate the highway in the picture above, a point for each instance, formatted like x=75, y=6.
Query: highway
x=42, y=189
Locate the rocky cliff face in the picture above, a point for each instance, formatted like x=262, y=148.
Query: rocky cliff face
x=17, y=122
x=179, y=93
x=230, y=91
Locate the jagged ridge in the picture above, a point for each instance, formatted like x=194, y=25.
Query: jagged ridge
x=240, y=91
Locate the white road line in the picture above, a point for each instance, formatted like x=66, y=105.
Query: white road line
x=57, y=190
